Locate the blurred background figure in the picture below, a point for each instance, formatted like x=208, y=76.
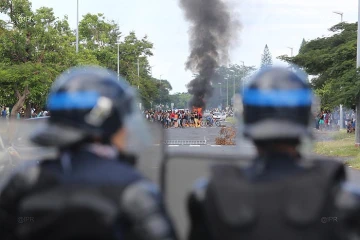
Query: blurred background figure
x=283, y=194
x=92, y=189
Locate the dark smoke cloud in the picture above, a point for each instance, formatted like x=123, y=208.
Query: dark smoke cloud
x=211, y=34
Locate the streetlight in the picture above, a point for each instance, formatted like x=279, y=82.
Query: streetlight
x=339, y=13
x=151, y=68
x=77, y=27
x=220, y=93
x=227, y=90
x=118, y=60
x=160, y=90
x=243, y=79
x=231, y=70
x=138, y=69
x=341, y=108
x=357, y=138
x=291, y=50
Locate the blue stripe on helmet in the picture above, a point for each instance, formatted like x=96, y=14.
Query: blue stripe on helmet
x=73, y=100
x=278, y=98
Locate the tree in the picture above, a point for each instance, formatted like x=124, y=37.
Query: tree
x=36, y=46
x=180, y=100
x=101, y=36
x=223, y=83
x=163, y=91
x=266, y=58
x=303, y=43
x=96, y=32
x=33, y=48
x=332, y=60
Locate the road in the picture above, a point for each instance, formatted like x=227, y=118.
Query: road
x=209, y=134
x=210, y=148
x=188, y=162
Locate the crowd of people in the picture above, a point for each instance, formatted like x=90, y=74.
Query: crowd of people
x=176, y=119
x=5, y=113
x=327, y=120
x=183, y=118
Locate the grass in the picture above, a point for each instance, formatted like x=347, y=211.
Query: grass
x=231, y=120
x=354, y=163
x=342, y=146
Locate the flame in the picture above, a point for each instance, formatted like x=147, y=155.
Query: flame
x=199, y=110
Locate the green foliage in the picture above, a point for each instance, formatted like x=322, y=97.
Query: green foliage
x=33, y=47
x=161, y=93
x=332, y=62
x=102, y=39
x=303, y=43
x=96, y=32
x=223, y=83
x=266, y=58
x=36, y=46
x=180, y=100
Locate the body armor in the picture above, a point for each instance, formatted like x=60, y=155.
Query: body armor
x=96, y=199
x=298, y=206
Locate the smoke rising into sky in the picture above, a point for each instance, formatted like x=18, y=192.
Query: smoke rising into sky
x=213, y=29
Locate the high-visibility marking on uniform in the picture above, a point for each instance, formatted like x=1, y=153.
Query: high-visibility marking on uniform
x=278, y=98
x=73, y=100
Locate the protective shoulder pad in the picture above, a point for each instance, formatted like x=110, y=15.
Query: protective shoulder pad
x=309, y=195
x=226, y=194
x=142, y=204
x=21, y=179
x=332, y=168
x=348, y=205
x=13, y=189
x=68, y=212
x=348, y=199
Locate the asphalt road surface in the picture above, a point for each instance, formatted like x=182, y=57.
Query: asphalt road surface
x=205, y=133
x=188, y=162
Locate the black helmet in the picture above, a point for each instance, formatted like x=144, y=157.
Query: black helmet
x=85, y=102
x=277, y=106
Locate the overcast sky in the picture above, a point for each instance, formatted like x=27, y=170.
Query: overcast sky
x=278, y=23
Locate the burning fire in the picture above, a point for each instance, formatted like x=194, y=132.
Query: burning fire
x=199, y=110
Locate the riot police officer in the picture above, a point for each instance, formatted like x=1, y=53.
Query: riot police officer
x=91, y=190
x=282, y=194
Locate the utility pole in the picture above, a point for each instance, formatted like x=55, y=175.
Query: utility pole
x=341, y=106
x=227, y=91
x=357, y=130
x=220, y=94
x=138, y=69
x=77, y=27
x=243, y=78
x=234, y=92
x=118, y=60
x=339, y=13
x=160, y=90
x=233, y=77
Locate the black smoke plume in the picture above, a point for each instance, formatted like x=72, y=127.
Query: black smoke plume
x=211, y=34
